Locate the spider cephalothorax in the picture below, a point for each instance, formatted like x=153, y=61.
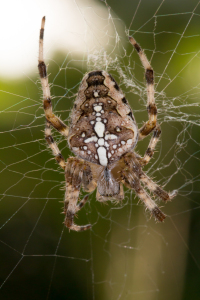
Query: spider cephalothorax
x=102, y=134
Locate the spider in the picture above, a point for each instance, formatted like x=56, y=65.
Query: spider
x=103, y=134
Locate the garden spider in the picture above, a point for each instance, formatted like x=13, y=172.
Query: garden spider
x=102, y=134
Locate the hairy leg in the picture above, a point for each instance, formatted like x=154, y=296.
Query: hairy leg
x=151, y=147
x=130, y=180
x=56, y=152
x=149, y=126
x=56, y=122
x=132, y=174
x=75, y=171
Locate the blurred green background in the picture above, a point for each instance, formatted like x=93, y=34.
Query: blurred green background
x=126, y=255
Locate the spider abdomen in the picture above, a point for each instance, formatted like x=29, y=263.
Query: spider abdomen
x=102, y=124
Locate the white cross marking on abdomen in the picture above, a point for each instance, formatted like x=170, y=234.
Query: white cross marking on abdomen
x=99, y=129
x=102, y=156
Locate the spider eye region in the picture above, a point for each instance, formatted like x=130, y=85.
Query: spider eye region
x=101, y=129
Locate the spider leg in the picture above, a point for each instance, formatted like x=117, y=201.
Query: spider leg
x=130, y=180
x=132, y=174
x=89, y=183
x=151, y=106
x=156, y=189
x=56, y=152
x=56, y=122
x=151, y=147
x=75, y=171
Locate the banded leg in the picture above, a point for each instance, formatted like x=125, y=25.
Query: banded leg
x=151, y=106
x=56, y=122
x=154, y=188
x=131, y=181
x=76, y=172
x=56, y=152
x=151, y=147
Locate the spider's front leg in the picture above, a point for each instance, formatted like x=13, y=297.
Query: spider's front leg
x=77, y=172
x=132, y=174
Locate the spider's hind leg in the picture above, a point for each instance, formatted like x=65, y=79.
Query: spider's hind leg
x=149, y=126
x=55, y=121
x=53, y=146
x=151, y=147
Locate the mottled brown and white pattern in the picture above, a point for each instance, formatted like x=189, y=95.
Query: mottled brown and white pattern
x=103, y=134
x=102, y=126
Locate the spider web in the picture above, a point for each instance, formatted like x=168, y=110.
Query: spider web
x=126, y=254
